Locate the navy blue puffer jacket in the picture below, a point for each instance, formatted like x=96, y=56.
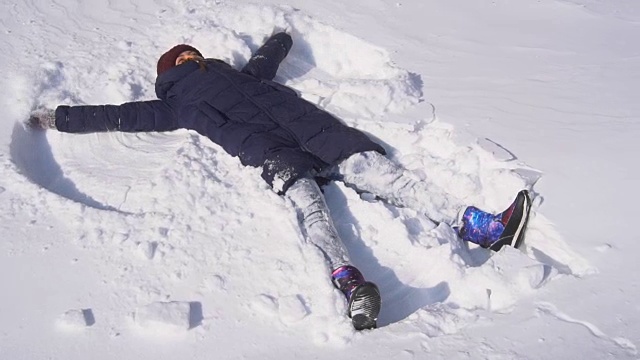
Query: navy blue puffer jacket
x=262, y=122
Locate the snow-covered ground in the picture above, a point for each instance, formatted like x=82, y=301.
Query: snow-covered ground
x=161, y=246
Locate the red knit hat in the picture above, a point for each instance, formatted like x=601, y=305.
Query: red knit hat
x=168, y=59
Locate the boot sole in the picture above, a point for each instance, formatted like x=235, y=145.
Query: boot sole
x=516, y=228
x=364, y=306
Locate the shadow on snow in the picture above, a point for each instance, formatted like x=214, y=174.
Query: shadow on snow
x=398, y=299
x=32, y=154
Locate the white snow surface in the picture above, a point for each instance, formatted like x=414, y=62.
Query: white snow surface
x=162, y=246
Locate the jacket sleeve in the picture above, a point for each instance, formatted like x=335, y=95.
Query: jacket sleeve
x=139, y=116
x=264, y=63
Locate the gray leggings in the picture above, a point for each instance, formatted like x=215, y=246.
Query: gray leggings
x=374, y=173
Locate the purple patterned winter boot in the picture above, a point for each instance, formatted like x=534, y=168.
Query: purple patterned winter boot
x=363, y=296
x=494, y=231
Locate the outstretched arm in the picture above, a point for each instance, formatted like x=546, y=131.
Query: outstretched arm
x=264, y=63
x=139, y=116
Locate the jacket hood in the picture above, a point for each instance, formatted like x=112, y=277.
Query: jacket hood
x=166, y=80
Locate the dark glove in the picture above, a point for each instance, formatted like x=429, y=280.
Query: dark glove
x=42, y=119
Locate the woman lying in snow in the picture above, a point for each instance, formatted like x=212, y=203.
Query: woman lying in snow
x=266, y=124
